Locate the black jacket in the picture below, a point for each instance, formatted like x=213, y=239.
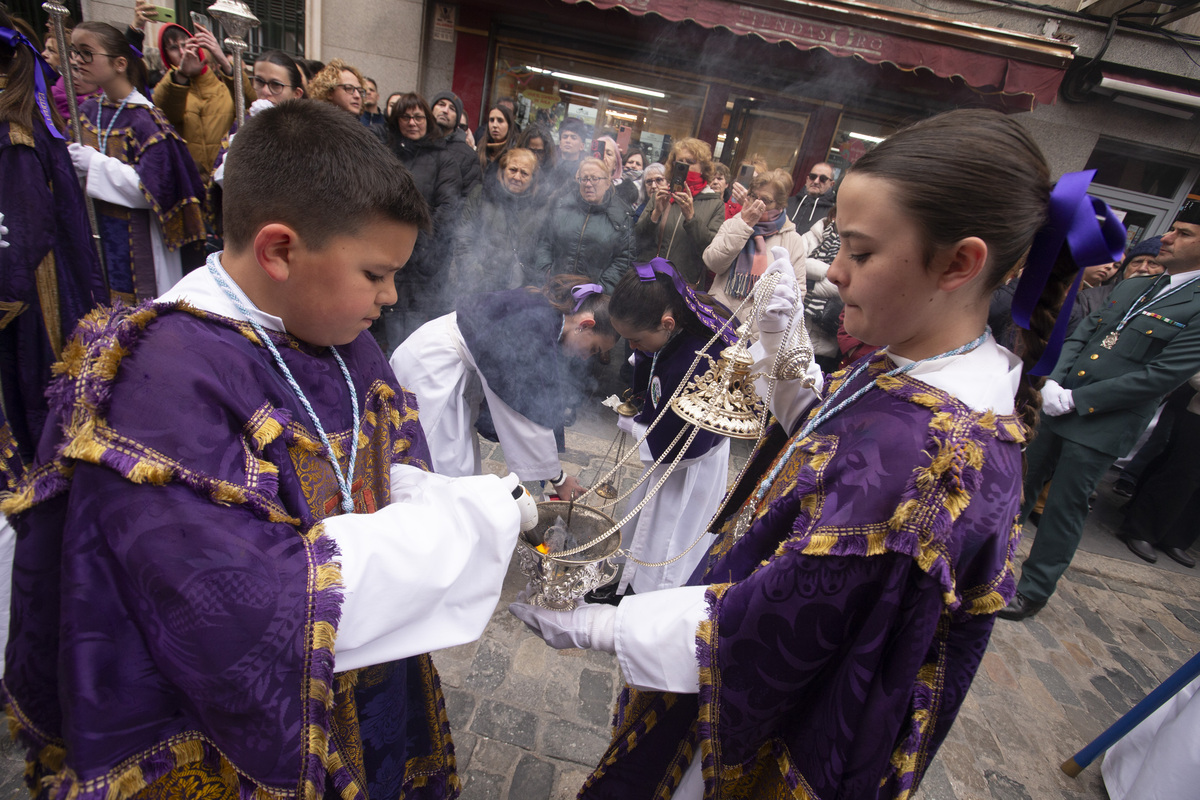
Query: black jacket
x=805, y=209
x=586, y=239
x=467, y=159
x=421, y=283
x=497, y=238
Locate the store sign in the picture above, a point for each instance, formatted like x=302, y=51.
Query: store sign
x=444, y=17
x=541, y=99
x=807, y=33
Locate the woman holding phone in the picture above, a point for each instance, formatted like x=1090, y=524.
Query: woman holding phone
x=681, y=218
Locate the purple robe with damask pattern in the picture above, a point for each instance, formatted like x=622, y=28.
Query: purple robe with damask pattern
x=143, y=138
x=847, y=623
x=49, y=273
x=175, y=600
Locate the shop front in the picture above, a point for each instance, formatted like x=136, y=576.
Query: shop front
x=756, y=82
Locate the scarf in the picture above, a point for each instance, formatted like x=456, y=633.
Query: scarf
x=751, y=263
x=695, y=184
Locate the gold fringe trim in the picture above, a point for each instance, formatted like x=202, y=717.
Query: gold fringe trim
x=324, y=636
x=267, y=432
x=328, y=576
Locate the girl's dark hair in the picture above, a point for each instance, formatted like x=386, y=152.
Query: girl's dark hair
x=115, y=44
x=482, y=146
x=282, y=59
x=643, y=303
x=558, y=291
x=975, y=172
x=407, y=101
x=548, y=157
x=18, y=101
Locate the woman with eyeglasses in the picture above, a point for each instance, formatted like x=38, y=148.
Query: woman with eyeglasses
x=149, y=195
x=422, y=285
x=741, y=250
x=679, y=221
x=277, y=77
x=340, y=84
x=587, y=232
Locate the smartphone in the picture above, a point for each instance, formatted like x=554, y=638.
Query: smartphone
x=746, y=175
x=679, y=171
x=200, y=20
x=164, y=14
x=598, y=149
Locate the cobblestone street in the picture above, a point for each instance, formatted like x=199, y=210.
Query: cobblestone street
x=530, y=722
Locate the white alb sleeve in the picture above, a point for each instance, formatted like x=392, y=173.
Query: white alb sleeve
x=424, y=572
x=655, y=635
x=114, y=181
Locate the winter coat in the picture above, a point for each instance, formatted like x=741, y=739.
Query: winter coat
x=729, y=241
x=578, y=237
x=421, y=284
x=496, y=240
x=467, y=159
x=680, y=241
x=201, y=112
x=805, y=209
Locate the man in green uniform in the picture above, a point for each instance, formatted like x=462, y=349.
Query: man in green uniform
x=1113, y=373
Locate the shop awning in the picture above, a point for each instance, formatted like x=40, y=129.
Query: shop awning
x=989, y=60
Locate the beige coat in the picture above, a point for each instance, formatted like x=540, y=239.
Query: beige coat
x=720, y=255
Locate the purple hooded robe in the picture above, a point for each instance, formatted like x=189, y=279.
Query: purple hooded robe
x=847, y=623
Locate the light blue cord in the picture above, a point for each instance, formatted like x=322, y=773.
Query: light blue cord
x=343, y=479
x=822, y=416
x=103, y=137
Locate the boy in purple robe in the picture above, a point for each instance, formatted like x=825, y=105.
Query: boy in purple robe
x=826, y=644
x=234, y=485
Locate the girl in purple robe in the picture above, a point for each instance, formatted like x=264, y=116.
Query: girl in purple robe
x=666, y=323
x=149, y=195
x=49, y=273
x=827, y=643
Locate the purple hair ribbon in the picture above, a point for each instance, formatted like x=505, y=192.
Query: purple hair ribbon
x=14, y=39
x=136, y=52
x=582, y=292
x=703, y=311
x=1094, y=235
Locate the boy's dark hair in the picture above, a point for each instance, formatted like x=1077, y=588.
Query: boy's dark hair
x=282, y=167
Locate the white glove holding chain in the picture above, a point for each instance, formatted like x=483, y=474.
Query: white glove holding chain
x=1056, y=400
x=625, y=423
x=3, y=230
x=259, y=105
x=777, y=310
x=81, y=157
x=587, y=627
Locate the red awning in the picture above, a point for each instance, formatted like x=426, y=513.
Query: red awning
x=989, y=60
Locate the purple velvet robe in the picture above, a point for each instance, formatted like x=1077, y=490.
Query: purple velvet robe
x=175, y=600
x=847, y=623
x=144, y=139
x=49, y=273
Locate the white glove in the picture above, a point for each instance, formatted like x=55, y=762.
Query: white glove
x=777, y=310
x=81, y=157
x=588, y=627
x=3, y=230
x=259, y=105
x=625, y=423
x=525, y=501
x=1056, y=400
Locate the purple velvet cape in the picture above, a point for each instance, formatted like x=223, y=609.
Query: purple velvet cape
x=846, y=625
x=672, y=369
x=49, y=273
x=513, y=337
x=175, y=600
x=145, y=140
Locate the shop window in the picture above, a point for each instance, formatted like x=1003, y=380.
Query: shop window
x=1120, y=167
x=855, y=137
x=280, y=25
x=762, y=132
x=643, y=107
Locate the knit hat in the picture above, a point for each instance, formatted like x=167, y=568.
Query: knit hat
x=1146, y=247
x=575, y=125
x=453, y=98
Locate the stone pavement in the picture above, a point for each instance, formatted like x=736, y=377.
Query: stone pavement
x=530, y=722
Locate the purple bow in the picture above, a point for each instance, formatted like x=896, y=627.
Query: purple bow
x=1093, y=233
x=582, y=292
x=14, y=39
x=703, y=311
